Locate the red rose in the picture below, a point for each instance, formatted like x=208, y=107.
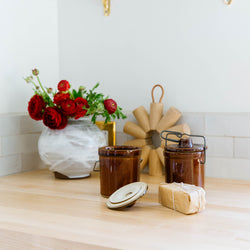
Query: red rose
x=81, y=104
x=63, y=85
x=68, y=107
x=36, y=107
x=64, y=121
x=54, y=119
x=110, y=105
x=59, y=97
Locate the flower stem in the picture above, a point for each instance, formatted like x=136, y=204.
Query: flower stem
x=34, y=84
x=38, y=79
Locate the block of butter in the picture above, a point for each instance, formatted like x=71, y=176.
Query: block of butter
x=185, y=198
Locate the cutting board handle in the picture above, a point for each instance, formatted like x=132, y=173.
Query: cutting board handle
x=152, y=93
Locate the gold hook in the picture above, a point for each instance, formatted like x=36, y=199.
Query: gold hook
x=228, y=2
x=106, y=4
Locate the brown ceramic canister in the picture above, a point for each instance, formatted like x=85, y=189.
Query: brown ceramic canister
x=185, y=161
x=119, y=166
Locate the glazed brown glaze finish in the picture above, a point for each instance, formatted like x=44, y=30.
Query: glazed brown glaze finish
x=184, y=162
x=119, y=166
x=185, y=167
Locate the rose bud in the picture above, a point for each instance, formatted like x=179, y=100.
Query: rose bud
x=28, y=79
x=63, y=85
x=37, y=87
x=81, y=88
x=110, y=105
x=49, y=90
x=35, y=72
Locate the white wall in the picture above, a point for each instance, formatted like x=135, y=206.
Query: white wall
x=28, y=38
x=199, y=50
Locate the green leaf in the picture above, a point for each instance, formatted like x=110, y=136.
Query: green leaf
x=96, y=86
x=95, y=101
x=99, y=97
x=74, y=93
x=123, y=116
x=93, y=119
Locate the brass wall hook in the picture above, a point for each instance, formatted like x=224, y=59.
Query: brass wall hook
x=228, y=2
x=106, y=5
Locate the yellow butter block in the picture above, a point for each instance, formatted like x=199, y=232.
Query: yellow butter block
x=185, y=198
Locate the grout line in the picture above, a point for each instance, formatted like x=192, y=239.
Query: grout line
x=234, y=147
x=229, y=158
x=205, y=123
x=35, y=133
x=228, y=136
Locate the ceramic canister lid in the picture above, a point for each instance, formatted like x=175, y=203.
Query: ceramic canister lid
x=127, y=195
x=185, y=142
x=185, y=145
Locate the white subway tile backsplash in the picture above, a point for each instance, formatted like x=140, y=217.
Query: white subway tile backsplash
x=30, y=143
x=31, y=161
x=17, y=144
x=220, y=146
x=9, y=125
x=242, y=148
x=129, y=137
x=233, y=168
x=228, y=124
x=195, y=121
x=11, y=145
x=10, y=164
x=120, y=123
x=228, y=141
x=28, y=125
x=120, y=138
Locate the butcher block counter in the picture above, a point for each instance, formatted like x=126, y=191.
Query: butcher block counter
x=38, y=211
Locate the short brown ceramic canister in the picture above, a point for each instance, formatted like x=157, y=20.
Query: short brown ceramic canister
x=185, y=161
x=184, y=166
x=119, y=166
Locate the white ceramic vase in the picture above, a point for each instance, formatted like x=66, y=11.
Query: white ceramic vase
x=71, y=152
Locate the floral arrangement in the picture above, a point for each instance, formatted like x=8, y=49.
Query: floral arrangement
x=55, y=108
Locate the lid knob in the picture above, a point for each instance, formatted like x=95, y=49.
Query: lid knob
x=186, y=143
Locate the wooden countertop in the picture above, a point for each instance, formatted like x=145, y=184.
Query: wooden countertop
x=38, y=211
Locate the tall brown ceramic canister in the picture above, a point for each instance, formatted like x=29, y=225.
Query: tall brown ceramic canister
x=119, y=166
x=184, y=161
